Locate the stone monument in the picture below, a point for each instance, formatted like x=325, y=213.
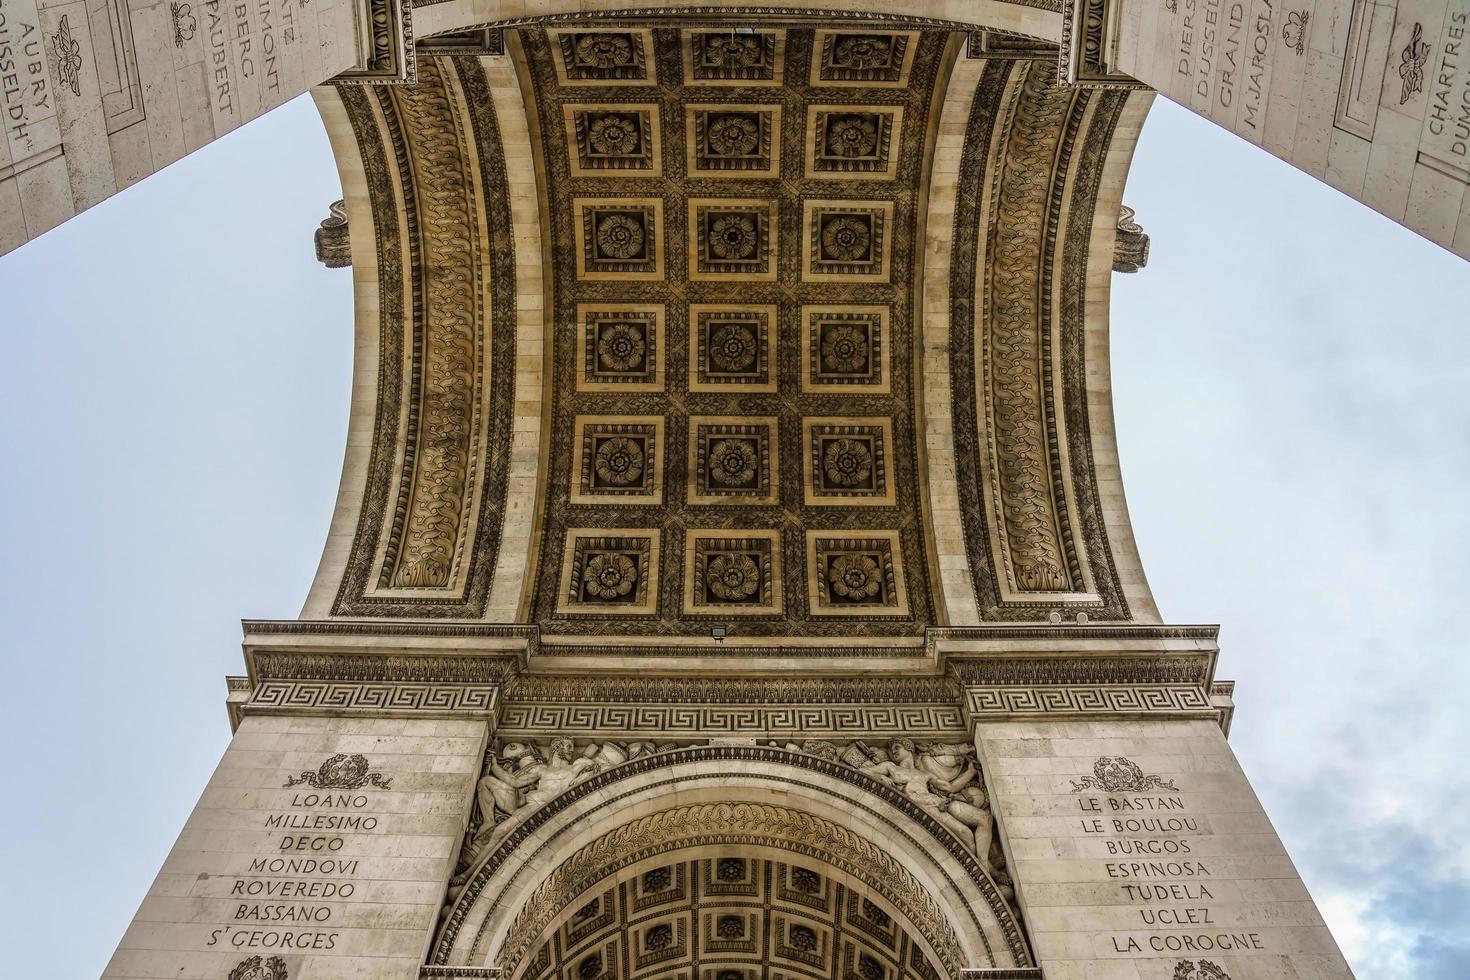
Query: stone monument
x=731, y=576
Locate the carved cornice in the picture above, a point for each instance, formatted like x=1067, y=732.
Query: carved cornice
x=1091, y=668
x=417, y=668
x=1087, y=46
x=460, y=973
x=1097, y=631
x=1222, y=696
x=776, y=650
x=389, y=55
x=703, y=690
x=348, y=627
x=765, y=14
x=1000, y=46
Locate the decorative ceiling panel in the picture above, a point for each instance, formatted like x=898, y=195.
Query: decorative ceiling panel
x=733, y=221
x=729, y=917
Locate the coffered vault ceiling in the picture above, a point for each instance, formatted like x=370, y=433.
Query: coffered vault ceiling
x=736, y=405
x=730, y=917
x=800, y=329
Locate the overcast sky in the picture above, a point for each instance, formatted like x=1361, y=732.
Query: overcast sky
x=1292, y=415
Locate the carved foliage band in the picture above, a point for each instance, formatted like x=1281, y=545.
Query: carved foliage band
x=428, y=535
x=1034, y=529
x=732, y=823
x=1034, y=547
x=436, y=178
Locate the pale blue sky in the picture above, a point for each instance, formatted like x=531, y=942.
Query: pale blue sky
x=1292, y=418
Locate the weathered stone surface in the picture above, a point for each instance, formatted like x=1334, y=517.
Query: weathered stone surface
x=323, y=844
x=1138, y=845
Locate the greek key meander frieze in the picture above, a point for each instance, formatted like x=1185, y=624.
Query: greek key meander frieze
x=731, y=690
x=733, y=719
x=525, y=784
x=1074, y=699
x=347, y=695
x=414, y=552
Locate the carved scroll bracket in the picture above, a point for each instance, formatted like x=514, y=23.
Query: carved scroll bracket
x=333, y=246
x=1130, y=249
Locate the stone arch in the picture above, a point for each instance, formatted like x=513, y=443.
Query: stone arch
x=768, y=803
x=457, y=478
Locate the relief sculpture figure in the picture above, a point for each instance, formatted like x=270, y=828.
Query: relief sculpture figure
x=520, y=778
x=519, y=782
x=941, y=782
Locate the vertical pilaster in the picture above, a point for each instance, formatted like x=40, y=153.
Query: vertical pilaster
x=323, y=843
x=1140, y=852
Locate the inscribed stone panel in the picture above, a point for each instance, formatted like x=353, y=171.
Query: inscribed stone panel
x=1139, y=850
x=320, y=848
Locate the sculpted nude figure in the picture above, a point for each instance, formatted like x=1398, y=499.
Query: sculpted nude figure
x=530, y=784
x=952, y=800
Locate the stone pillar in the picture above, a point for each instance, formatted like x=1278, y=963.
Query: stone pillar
x=1139, y=852
x=322, y=846
x=97, y=94
x=1371, y=96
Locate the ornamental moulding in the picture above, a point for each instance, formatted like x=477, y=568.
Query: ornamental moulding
x=733, y=824
x=1030, y=173
x=702, y=690
x=728, y=819
x=1189, y=669
x=429, y=528
x=418, y=668
x=386, y=31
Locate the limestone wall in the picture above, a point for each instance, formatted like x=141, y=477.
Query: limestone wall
x=321, y=843
x=1140, y=852
x=1371, y=97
